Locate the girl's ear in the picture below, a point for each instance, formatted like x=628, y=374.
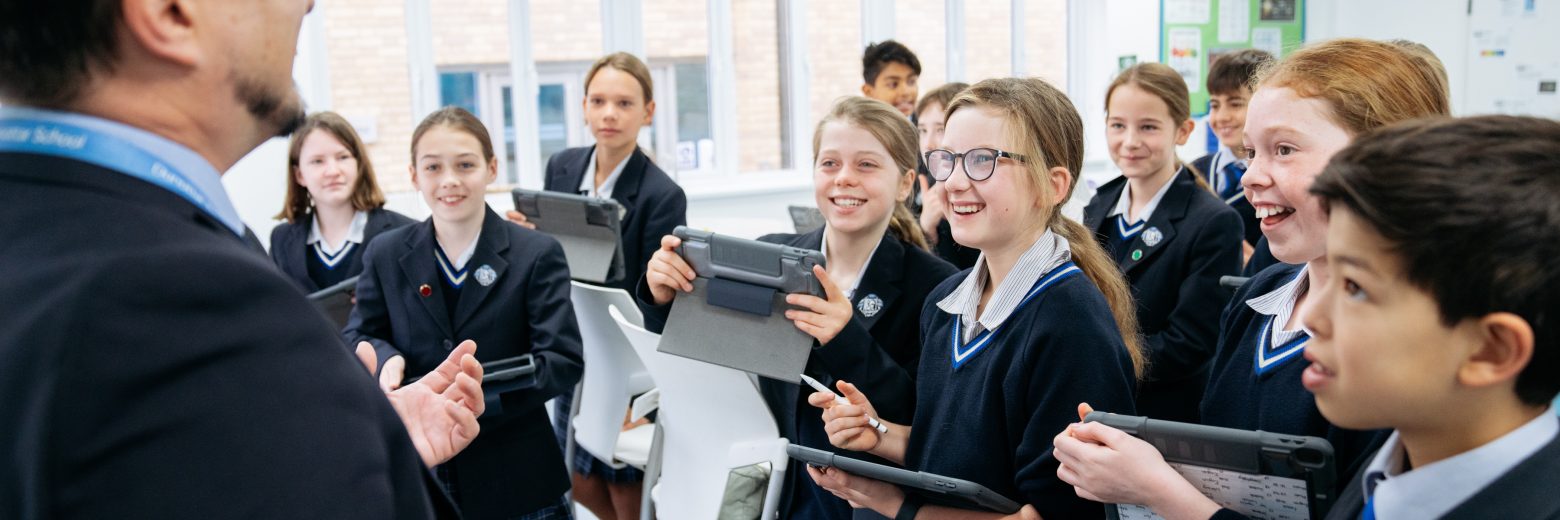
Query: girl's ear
x=906, y=185
x=492, y=169
x=1060, y=181
x=1184, y=132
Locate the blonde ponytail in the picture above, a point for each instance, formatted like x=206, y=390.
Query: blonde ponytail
x=1095, y=264
x=904, y=226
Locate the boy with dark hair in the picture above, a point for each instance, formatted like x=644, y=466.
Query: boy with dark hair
x=891, y=73
x=1438, y=317
x=1229, y=89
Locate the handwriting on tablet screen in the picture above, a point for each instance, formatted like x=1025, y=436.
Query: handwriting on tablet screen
x=1262, y=497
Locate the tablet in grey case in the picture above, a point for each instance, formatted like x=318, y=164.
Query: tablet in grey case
x=937, y=489
x=1258, y=474
x=336, y=301
x=735, y=316
x=805, y=218
x=588, y=228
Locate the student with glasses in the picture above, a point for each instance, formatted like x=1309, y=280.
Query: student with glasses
x=1010, y=345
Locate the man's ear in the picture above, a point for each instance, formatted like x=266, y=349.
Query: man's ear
x=164, y=29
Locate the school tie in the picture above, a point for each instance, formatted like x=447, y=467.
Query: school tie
x=1228, y=180
x=1371, y=480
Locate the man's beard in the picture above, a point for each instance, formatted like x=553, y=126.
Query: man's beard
x=279, y=113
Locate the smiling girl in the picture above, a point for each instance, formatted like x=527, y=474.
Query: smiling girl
x=466, y=273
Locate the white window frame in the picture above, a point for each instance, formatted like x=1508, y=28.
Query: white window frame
x=626, y=19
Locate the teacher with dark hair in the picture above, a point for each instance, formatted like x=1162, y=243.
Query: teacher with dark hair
x=153, y=364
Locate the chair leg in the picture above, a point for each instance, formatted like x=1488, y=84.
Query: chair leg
x=652, y=475
x=568, y=429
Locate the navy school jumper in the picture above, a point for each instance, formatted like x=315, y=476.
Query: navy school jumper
x=1275, y=401
x=992, y=419
x=293, y=255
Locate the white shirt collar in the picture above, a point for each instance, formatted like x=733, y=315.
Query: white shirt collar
x=1124, y=203
x=588, y=181
x=1435, y=489
x=1048, y=252
x=1280, y=304
x=460, y=262
x=850, y=294
x=354, y=234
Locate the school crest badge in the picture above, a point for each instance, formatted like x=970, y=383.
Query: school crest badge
x=1152, y=237
x=486, y=275
x=870, y=305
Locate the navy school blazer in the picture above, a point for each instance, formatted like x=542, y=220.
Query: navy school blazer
x=654, y=203
x=1526, y=491
x=1250, y=230
x=878, y=353
x=290, y=248
x=514, y=466
x=157, y=367
x=1176, y=286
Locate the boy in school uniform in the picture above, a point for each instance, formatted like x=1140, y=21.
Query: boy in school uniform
x=1229, y=89
x=892, y=74
x=1437, y=317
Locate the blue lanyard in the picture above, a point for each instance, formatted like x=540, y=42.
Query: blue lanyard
x=59, y=139
x=980, y=341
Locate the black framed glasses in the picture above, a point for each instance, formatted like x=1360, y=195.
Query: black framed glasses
x=979, y=163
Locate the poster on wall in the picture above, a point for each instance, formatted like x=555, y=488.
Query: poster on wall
x=1234, y=22
x=1186, y=11
x=1193, y=33
x=1186, y=56
x=1278, y=10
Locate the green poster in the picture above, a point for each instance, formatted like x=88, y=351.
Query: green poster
x=1194, y=32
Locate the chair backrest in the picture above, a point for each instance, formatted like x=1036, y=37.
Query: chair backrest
x=613, y=370
x=709, y=416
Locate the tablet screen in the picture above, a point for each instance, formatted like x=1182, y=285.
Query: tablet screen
x=1263, y=497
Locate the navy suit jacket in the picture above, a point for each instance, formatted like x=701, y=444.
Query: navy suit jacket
x=514, y=466
x=290, y=248
x=157, y=367
x=654, y=204
x=1176, y=286
x=1527, y=491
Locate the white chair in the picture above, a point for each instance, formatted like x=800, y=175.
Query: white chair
x=712, y=420
x=613, y=376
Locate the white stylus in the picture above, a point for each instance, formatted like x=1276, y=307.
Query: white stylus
x=841, y=400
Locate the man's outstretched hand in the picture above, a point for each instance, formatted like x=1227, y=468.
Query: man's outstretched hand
x=440, y=410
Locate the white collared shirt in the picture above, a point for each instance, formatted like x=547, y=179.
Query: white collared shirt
x=588, y=181
x=850, y=294
x=1048, y=252
x=1435, y=489
x=1280, y=304
x=354, y=234
x=459, y=263
x=1124, y=203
